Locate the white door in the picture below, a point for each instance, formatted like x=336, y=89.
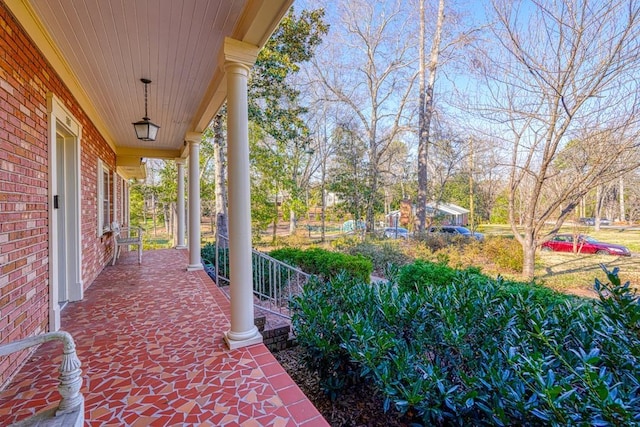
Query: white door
x=59, y=204
x=65, y=244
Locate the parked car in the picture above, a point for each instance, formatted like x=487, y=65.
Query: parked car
x=456, y=229
x=396, y=233
x=584, y=244
x=592, y=221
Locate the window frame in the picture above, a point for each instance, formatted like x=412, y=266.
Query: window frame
x=104, y=201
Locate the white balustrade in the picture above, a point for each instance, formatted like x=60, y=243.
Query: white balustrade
x=70, y=372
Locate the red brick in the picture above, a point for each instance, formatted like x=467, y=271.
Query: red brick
x=24, y=186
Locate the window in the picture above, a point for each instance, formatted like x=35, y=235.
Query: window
x=105, y=198
x=123, y=202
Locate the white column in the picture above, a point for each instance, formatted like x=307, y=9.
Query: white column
x=239, y=57
x=180, y=205
x=194, y=201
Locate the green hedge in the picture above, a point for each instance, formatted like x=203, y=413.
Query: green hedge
x=423, y=273
x=326, y=264
x=208, y=256
x=478, y=351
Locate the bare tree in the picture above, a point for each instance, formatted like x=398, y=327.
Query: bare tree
x=559, y=72
x=368, y=66
x=323, y=151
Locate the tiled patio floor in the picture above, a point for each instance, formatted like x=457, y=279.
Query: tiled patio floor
x=150, y=339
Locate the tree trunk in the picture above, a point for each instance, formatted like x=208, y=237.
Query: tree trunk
x=293, y=222
x=153, y=206
x=220, y=178
x=167, y=219
x=621, y=197
x=423, y=134
x=323, y=210
x=597, y=214
x=425, y=112
x=174, y=223
x=529, y=254
x=370, y=214
x=275, y=219
x=472, y=224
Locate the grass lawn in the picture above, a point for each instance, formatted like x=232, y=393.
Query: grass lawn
x=575, y=273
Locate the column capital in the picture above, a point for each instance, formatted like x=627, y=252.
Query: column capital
x=193, y=137
x=238, y=52
x=180, y=161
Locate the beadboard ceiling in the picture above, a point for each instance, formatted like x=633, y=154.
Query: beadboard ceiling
x=107, y=46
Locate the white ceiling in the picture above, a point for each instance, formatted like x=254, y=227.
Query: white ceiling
x=109, y=45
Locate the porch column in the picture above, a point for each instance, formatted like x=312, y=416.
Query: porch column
x=180, y=205
x=239, y=57
x=193, y=139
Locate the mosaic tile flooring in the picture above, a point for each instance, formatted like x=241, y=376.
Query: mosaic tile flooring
x=150, y=339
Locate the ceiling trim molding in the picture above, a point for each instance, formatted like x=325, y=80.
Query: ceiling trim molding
x=26, y=16
x=258, y=21
x=150, y=153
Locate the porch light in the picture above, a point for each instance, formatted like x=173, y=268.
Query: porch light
x=145, y=129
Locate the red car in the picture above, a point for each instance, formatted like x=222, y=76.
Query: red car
x=584, y=245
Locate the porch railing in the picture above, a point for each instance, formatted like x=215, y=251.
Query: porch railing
x=274, y=282
x=70, y=411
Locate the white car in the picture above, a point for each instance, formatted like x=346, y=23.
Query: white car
x=396, y=233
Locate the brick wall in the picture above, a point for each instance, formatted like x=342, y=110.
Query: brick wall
x=25, y=80
x=275, y=339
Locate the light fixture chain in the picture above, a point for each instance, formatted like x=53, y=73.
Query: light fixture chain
x=145, y=101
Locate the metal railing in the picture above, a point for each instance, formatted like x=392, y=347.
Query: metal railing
x=274, y=282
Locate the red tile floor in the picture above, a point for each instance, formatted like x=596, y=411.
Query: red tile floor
x=150, y=341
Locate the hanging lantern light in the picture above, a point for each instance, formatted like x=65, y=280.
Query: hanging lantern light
x=145, y=129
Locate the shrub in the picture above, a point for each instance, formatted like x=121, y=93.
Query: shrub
x=426, y=273
x=505, y=253
x=326, y=264
x=381, y=255
x=208, y=256
x=436, y=241
x=478, y=351
x=345, y=242
x=321, y=328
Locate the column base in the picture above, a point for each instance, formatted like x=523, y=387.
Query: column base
x=77, y=292
x=54, y=318
x=180, y=247
x=194, y=267
x=235, y=340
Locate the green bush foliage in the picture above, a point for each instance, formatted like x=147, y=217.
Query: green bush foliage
x=478, y=351
x=208, y=256
x=326, y=264
x=322, y=328
x=426, y=273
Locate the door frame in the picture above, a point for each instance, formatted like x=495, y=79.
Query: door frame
x=62, y=122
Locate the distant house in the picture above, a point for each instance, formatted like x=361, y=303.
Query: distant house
x=442, y=213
